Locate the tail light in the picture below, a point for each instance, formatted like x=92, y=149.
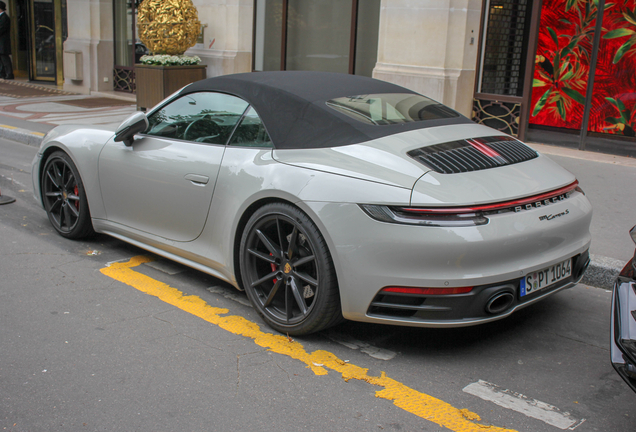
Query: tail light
x=465, y=216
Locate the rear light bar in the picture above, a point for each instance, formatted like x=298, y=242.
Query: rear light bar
x=465, y=216
x=426, y=291
x=534, y=201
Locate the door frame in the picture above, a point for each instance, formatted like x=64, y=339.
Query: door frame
x=518, y=106
x=58, y=79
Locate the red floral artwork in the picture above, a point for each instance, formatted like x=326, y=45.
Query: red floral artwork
x=563, y=63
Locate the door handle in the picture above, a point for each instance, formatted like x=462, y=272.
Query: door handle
x=197, y=179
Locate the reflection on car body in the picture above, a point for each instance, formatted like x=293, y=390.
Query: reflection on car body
x=623, y=339
x=327, y=196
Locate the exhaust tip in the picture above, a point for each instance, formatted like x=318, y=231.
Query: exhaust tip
x=500, y=302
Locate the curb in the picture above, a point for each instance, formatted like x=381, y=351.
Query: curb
x=22, y=136
x=601, y=272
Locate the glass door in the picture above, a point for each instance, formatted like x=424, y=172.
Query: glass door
x=321, y=35
x=48, y=32
x=18, y=12
x=503, y=64
x=128, y=48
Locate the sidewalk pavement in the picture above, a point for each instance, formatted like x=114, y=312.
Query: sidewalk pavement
x=27, y=119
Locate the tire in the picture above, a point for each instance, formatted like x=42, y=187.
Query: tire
x=287, y=271
x=64, y=197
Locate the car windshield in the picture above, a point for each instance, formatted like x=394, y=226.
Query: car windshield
x=391, y=108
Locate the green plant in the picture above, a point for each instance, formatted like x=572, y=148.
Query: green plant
x=625, y=123
x=584, y=27
x=170, y=60
x=563, y=75
x=628, y=46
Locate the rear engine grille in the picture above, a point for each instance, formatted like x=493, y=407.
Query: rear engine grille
x=473, y=154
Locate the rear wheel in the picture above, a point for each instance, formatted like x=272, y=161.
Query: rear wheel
x=64, y=197
x=287, y=271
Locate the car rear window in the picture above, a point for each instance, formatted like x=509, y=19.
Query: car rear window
x=391, y=108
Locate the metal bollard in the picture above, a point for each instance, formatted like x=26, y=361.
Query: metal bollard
x=5, y=199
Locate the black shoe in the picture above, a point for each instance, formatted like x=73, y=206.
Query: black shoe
x=9, y=77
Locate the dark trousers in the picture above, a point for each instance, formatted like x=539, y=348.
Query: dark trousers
x=6, y=67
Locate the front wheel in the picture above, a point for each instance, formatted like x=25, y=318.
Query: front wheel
x=287, y=271
x=64, y=197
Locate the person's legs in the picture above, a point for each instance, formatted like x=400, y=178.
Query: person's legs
x=2, y=70
x=6, y=67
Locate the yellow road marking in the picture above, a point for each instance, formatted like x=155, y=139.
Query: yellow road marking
x=420, y=404
x=17, y=128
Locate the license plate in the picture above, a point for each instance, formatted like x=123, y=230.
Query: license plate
x=541, y=279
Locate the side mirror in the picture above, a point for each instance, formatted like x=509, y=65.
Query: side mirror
x=134, y=124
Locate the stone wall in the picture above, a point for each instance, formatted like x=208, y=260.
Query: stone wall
x=227, y=39
x=90, y=31
x=430, y=46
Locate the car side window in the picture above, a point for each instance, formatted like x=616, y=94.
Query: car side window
x=200, y=117
x=251, y=132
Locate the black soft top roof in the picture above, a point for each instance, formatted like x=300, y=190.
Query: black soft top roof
x=292, y=105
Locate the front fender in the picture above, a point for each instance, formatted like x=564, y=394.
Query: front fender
x=83, y=145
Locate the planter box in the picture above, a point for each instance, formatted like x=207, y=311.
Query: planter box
x=155, y=83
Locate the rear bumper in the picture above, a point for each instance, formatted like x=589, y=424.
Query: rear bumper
x=483, y=304
x=370, y=255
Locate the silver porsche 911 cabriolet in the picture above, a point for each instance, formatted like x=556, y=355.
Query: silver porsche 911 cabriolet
x=327, y=196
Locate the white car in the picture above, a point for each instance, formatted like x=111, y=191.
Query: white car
x=327, y=196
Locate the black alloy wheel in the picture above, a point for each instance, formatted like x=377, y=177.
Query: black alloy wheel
x=64, y=197
x=287, y=271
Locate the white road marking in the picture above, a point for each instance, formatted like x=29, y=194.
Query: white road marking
x=80, y=118
x=109, y=263
x=349, y=342
x=12, y=180
x=517, y=402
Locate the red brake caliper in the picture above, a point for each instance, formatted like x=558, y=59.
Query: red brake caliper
x=273, y=267
x=76, y=192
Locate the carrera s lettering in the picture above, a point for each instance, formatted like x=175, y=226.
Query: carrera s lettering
x=554, y=216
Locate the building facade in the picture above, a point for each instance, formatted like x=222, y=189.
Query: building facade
x=560, y=71
x=544, y=70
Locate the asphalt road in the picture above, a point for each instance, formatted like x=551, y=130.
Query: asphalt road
x=610, y=189
x=85, y=346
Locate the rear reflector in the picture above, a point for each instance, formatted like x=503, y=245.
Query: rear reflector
x=426, y=291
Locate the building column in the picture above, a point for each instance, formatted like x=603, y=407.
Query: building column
x=430, y=46
x=227, y=39
x=90, y=31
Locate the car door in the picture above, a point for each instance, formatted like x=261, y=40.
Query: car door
x=163, y=183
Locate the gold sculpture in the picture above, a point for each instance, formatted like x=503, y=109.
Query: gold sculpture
x=168, y=26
